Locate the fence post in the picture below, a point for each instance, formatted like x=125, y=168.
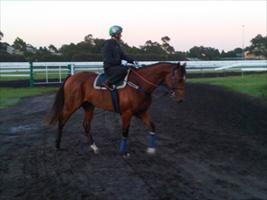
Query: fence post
x=31, y=74
x=71, y=69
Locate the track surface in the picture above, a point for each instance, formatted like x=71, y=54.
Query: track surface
x=213, y=146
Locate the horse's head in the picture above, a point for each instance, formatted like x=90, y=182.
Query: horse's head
x=175, y=81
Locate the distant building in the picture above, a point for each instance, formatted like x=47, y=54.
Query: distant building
x=5, y=47
x=30, y=48
x=57, y=53
x=239, y=55
x=12, y=50
x=251, y=56
x=192, y=59
x=53, y=52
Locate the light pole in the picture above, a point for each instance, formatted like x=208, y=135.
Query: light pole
x=243, y=37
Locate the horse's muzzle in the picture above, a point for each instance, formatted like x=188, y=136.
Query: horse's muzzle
x=177, y=99
x=180, y=101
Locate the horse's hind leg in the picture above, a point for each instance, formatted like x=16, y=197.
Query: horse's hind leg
x=61, y=123
x=145, y=118
x=69, y=109
x=88, y=116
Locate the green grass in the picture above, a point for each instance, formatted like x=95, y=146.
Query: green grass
x=252, y=85
x=11, y=96
x=36, y=76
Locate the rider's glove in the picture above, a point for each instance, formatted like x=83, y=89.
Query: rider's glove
x=136, y=64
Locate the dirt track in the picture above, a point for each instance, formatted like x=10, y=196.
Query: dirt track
x=213, y=146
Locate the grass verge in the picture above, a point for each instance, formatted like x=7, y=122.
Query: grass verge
x=253, y=85
x=36, y=76
x=11, y=96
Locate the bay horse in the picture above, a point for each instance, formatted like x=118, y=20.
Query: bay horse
x=134, y=100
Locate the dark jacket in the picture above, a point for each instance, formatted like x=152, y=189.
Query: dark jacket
x=113, y=54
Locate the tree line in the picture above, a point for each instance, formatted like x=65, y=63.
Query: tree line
x=90, y=50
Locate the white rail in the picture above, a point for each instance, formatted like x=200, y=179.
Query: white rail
x=260, y=69
x=25, y=69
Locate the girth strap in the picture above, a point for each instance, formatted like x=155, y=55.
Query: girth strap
x=140, y=89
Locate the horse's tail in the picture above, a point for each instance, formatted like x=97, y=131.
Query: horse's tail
x=58, y=105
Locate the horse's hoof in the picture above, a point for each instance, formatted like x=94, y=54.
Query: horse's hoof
x=57, y=144
x=151, y=151
x=126, y=155
x=95, y=148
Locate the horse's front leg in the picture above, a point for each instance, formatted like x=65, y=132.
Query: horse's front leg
x=126, y=118
x=145, y=118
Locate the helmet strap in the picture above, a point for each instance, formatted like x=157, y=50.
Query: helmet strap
x=117, y=36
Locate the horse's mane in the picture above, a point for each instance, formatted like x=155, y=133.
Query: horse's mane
x=158, y=63
x=152, y=65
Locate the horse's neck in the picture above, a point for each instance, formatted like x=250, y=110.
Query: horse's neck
x=155, y=75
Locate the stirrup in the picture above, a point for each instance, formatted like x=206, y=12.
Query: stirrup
x=110, y=88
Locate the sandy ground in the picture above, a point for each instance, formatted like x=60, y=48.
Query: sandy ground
x=213, y=146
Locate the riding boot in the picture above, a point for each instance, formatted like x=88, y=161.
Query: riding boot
x=109, y=86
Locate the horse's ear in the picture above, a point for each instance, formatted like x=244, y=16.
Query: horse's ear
x=178, y=65
x=183, y=68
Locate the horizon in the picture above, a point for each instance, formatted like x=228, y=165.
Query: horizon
x=187, y=23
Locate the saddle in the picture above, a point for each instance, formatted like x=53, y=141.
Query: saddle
x=101, y=78
x=99, y=85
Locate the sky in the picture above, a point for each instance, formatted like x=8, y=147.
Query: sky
x=223, y=25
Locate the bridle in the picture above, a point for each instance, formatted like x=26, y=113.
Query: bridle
x=174, y=83
x=171, y=90
x=174, y=80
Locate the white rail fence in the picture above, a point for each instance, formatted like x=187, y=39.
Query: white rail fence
x=55, y=72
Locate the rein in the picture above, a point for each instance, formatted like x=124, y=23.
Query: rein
x=170, y=91
x=141, y=77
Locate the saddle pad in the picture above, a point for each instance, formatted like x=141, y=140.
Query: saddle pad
x=99, y=80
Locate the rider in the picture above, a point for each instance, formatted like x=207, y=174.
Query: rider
x=112, y=56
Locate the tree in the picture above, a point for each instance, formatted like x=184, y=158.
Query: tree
x=259, y=45
x=166, y=46
x=153, y=48
x=205, y=53
x=19, y=44
x=52, y=48
x=89, y=39
x=1, y=35
x=90, y=48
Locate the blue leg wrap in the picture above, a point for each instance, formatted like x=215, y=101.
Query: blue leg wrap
x=152, y=140
x=123, y=145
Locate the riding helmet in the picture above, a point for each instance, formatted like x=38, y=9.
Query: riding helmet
x=115, y=30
